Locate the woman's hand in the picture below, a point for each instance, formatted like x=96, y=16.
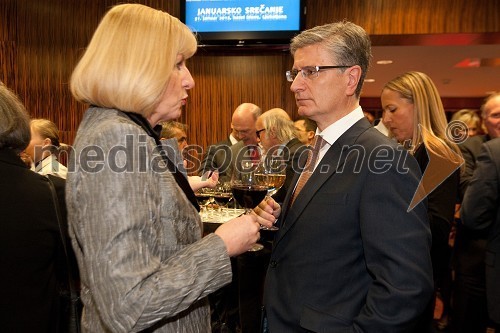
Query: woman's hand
x=197, y=182
x=239, y=234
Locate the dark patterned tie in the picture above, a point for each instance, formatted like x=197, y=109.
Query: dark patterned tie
x=312, y=158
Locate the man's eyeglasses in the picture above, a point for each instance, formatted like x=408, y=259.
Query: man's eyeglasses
x=258, y=132
x=309, y=71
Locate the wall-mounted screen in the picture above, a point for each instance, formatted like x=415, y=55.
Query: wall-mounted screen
x=243, y=22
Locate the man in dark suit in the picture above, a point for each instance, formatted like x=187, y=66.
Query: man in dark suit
x=469, y=299
x=490, y=112
x=350, y=254
x=220, y=156
x=481, y=211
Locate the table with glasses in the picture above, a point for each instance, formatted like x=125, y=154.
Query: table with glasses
x=213, y=217
x=237, y=305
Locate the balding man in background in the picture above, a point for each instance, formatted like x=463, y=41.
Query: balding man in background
x=221, y=155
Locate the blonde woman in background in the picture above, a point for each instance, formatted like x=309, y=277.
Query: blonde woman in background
x=44, y=147
x=471, y=119
x=414, y=115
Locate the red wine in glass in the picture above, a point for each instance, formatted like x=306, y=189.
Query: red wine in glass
x=249, y=196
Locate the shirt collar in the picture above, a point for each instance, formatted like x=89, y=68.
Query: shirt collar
x=335, y=130
x=232, y=139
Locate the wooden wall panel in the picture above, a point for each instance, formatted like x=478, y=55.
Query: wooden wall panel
x=8, y=48
x=224, y=81
x=380, y=17
x=42, y=40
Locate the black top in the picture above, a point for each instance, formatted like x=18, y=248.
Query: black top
x=30, y=248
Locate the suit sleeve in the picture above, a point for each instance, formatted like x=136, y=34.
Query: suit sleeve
x=470, y=165
x=481, y=199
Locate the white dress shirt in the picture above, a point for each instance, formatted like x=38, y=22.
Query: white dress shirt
x=335, y=130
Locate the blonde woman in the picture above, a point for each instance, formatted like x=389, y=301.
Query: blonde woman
x=471, y=119
x=133, y=218
x=414, y=115
x=44, y=147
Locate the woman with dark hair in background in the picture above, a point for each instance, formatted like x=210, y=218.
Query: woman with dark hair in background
x=31, y=252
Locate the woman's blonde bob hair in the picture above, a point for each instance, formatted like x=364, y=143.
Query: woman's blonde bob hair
x=429, y=118
x=130, y=58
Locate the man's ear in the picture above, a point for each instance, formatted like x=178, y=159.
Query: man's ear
x=47, y=142
x=310, y=135
x=354, y=75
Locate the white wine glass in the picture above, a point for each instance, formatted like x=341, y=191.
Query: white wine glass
x=271, y=172
x=247, y=190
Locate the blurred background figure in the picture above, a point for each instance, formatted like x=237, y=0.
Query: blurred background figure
x=174, y=139
x=222, y=155
x=277, y=136
x=369, y=116
x=31, y=254
x=469, y=293
x=174, y=129
x=379, y=125
x=481, y=211
x=470, y=118
x=415, y=116
x=305, y=130
x=44, y=148
x=490, y=111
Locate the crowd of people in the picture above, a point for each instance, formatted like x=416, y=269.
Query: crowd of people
x=377, y=231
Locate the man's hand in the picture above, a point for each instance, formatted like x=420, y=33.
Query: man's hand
x=267, y=212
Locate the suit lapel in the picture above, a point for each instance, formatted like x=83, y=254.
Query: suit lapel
x=333, y=160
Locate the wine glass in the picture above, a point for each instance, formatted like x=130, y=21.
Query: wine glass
x=247, y=190
x=271, y=172
x=205, y=198
x=223, y=196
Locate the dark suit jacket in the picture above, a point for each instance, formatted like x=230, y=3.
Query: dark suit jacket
x=295, y=155
x=470, y=150
x=238, y=153
x=349, y=257
x=441, y=210
x=30, y=249
x=470, y=245
x=481, y=210
x=217, y=157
